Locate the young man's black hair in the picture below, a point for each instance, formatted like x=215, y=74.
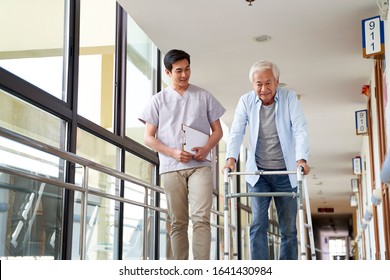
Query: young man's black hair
x=175, y=55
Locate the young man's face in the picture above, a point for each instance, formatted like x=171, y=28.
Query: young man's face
x=265, y=84
x=180, y=74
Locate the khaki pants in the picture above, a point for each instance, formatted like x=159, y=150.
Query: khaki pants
x=189, y=189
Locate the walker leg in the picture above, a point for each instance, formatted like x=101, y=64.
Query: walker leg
x=300, y=214
x=233, y=210
x=226, y=216
x=309, y=223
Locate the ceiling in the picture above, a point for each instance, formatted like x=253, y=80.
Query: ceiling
x=317, y=46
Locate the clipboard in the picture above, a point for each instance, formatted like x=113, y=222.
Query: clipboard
x=193, y=138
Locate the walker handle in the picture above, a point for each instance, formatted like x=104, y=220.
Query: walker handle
x=300, y=170
x=226, y=174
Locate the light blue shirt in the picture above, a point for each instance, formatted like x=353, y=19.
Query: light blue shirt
x=168, y=110
x=290, y=123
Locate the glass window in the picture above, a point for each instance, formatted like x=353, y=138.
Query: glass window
x=101, y=235
x=96, y=149
x=96, y=61
x=141, y=170
x=24, y=158
x=165, y=242
x=30, y=218
x=103, y=182
x=33, y=48
x=26, y=119
x=23, y=118
x=337, y=248
x=140, y=79
x=165, y=79
x=133, y=232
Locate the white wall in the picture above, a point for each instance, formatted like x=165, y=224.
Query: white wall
x=365, y=154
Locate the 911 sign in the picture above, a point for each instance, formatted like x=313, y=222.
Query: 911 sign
x=373, y=37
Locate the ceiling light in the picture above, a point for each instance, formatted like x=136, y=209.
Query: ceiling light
x=250, y=2
x=262, y=38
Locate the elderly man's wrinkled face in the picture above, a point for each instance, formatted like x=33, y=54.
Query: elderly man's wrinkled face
x=265, y=84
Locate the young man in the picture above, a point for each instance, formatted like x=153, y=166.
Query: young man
x=278, y=141
x=186, y=177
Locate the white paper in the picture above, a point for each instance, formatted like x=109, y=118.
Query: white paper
x=194, y=138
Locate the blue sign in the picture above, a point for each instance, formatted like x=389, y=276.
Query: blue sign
x=373, y=37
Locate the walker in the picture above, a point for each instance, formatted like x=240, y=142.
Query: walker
x=231, y=194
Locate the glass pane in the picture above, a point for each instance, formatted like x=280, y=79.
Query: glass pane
x=21, y=117
x=165, y=242
x=101, y=228
x=133, y=236
x=140, y=80
x=93, y=148
x=135, y=192
x=337, y=248
x=30, y=218
x=165, y=79
x=21, y=157
x=33, y=48
x=139, y=168
x=24, y=118
x=96, y=61
x=151, y=234
x=103, y=182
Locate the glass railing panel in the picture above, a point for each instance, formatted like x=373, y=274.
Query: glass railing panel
x=135, y=192
x=165, y=242
x=101, y=232
x=139, y=169
x=31, y=217
x=24, y=158
x=103, y=182
x=133, y=232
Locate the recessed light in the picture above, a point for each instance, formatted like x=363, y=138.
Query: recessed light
x=262, y=38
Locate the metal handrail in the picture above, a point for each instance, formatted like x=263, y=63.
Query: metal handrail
x=70, y=157
x=74, y=158
x=87, y=164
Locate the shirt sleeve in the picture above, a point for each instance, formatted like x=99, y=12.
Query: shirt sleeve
x=299, y=129
x=215, y=110
x=150, y=114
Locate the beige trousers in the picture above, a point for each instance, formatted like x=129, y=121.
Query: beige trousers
x=189, y=194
